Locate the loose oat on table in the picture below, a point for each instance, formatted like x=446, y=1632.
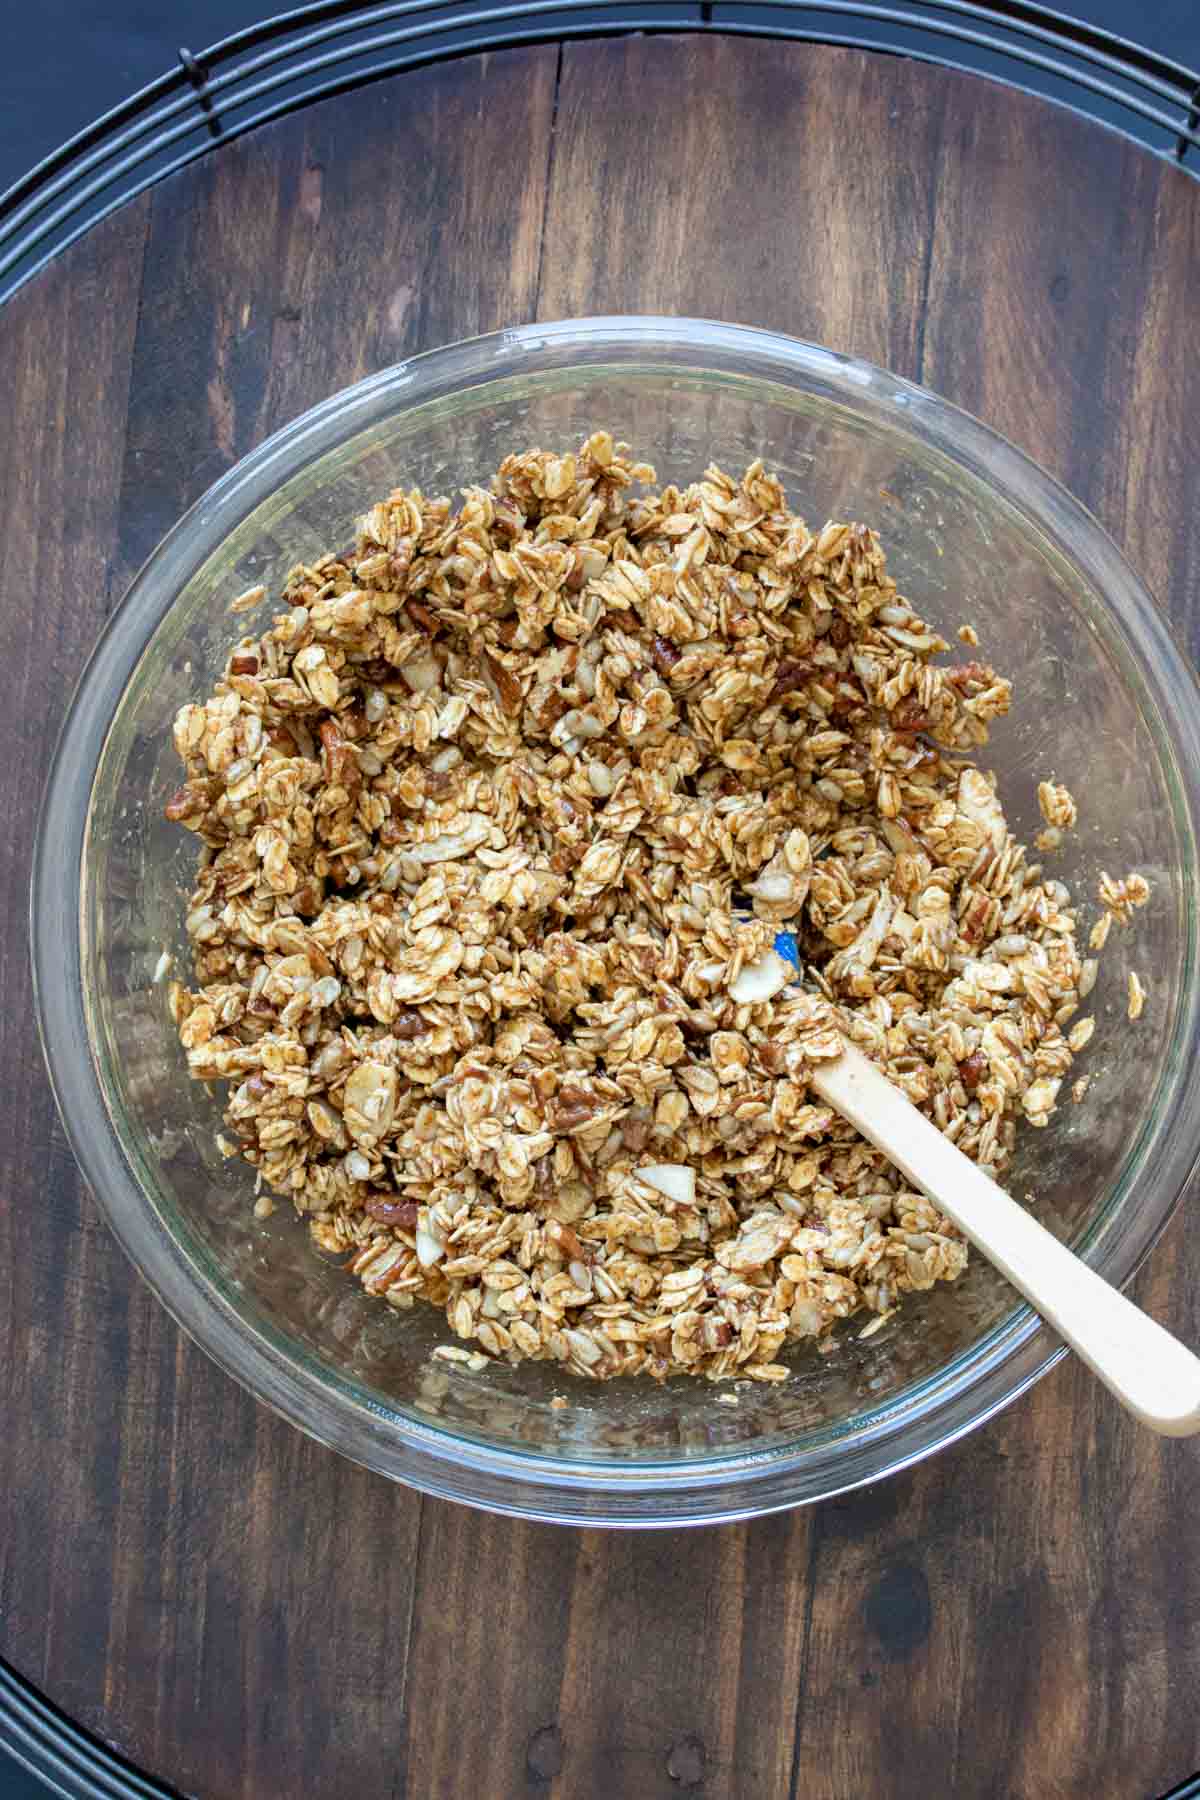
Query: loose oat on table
x=499, y=817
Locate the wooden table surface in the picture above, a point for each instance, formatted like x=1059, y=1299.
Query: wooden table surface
x=239, y=1611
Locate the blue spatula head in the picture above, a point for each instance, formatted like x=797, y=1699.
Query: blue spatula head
x=786, y=946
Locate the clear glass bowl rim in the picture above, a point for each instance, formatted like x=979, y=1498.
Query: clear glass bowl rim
x=902, y=1430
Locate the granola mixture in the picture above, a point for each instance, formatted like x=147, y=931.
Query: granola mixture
x=500, y=820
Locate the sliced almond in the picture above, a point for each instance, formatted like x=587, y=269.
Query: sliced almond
x=675, y=1180
x=761, y=980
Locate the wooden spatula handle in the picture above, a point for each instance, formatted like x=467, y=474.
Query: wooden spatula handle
x=1151, y=1373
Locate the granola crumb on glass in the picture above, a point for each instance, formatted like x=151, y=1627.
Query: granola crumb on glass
x=1099, y=932
x=500, y=818
x=1121, y=897
x=247, y=601
x=1057, y=805
x=1137, y=996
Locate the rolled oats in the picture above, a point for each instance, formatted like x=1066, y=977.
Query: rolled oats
x=1057, y=805
x=1121, y=897
x=500, y=819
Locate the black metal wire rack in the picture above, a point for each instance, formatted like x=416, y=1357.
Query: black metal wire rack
x=67, y=1760
x=301, y=56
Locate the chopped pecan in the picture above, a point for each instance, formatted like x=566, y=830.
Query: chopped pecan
x=971, y=674
x=409, y=1024
x=575, y=576
x=508, y=688
x=573, y=1107
x=508, y=517
x=635, y=1134
x=551, y=709
x=664, y=655
x=569, y=1243
x=243, y=664
x=390, y=1211
x=910, y=716
x=308, y=897
x=321, y=964
x=848, y=698
x=565, y=858
x=183, y=804
x=975, y=918
x=420, y=615
x=625, y=620
x=543, y=1180
x=337, y=759
x=791, y=674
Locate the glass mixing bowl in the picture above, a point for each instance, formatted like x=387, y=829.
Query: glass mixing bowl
x=974, y=532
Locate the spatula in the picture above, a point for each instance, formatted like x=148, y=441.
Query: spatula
x=1152, y=1374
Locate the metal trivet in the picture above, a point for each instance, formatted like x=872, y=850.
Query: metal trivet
x=289, y=61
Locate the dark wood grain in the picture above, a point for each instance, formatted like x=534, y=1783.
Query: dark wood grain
x=321, y=249
x=750, y=182
x=239, y=1610
x=66, y=1293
